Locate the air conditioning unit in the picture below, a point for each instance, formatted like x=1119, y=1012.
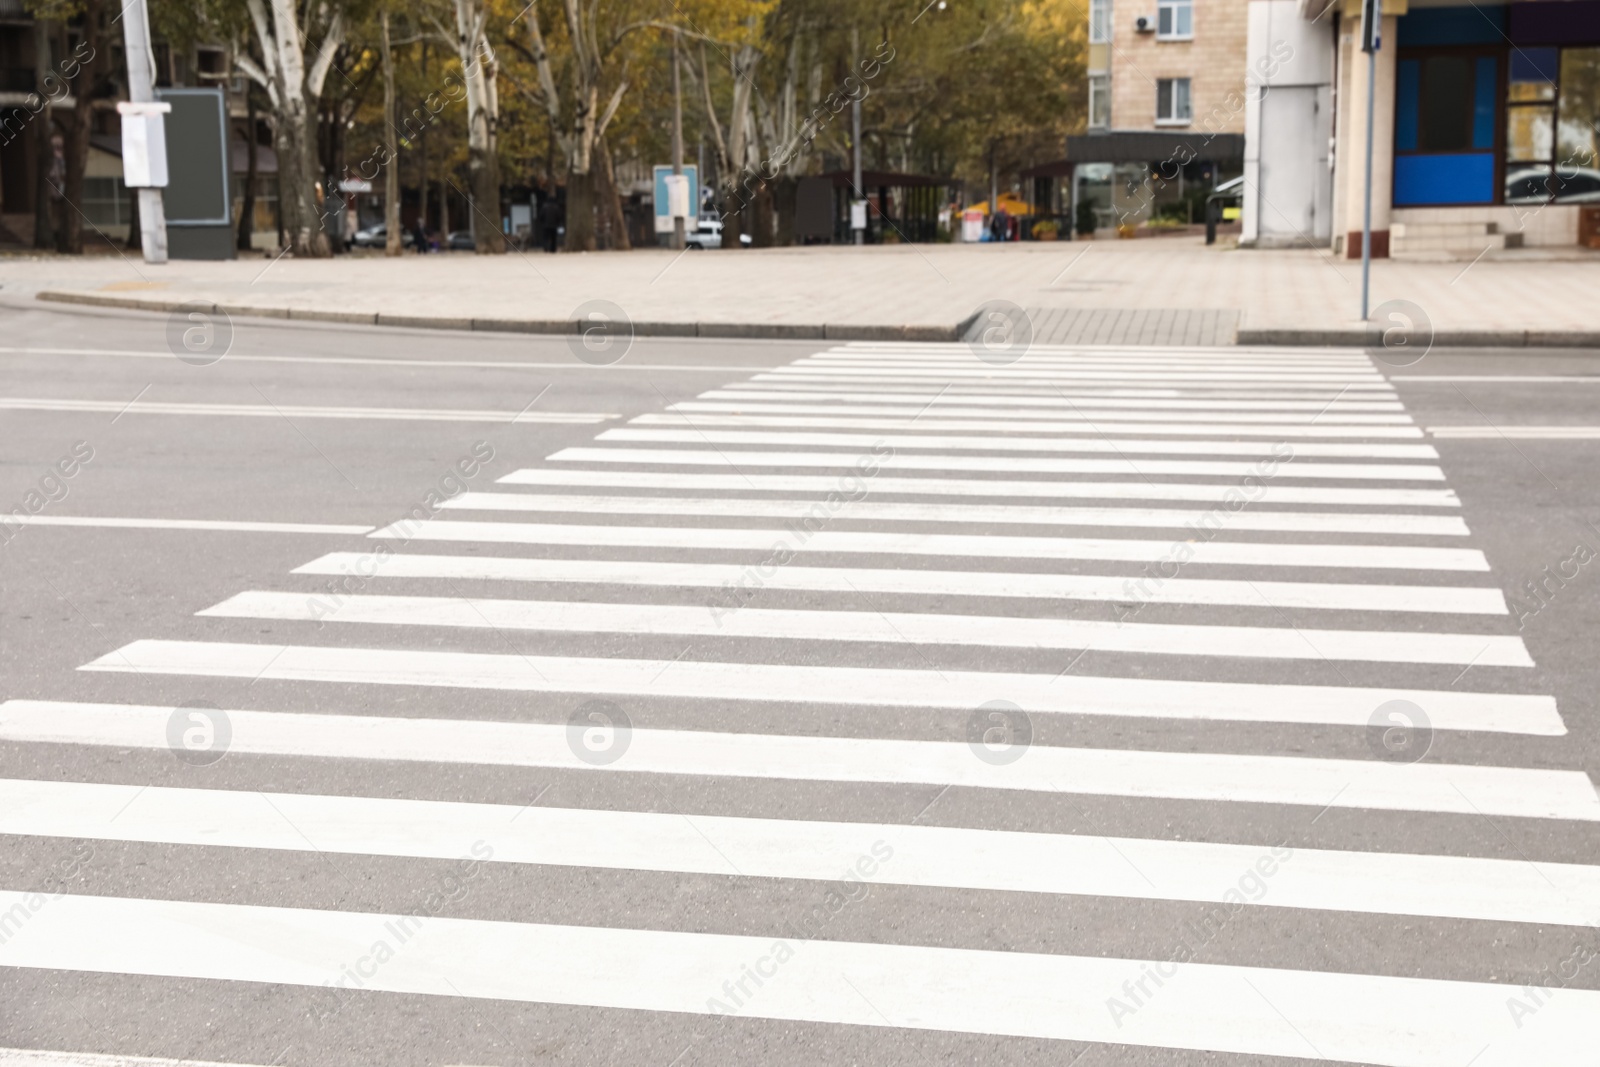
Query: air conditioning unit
x=1143, y=25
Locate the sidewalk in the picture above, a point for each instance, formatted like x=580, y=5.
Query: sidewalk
x=1144, y=291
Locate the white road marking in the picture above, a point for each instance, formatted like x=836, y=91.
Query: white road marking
x=301, y=411
x=1495, y=890
x=983, y=631
x=27, y=1057
x=1125, y=550
x=217, y=525
x=1517, y=433
x=1143, y=400
x=886, y=485
x=1404, y=1022
x=1020, y=464
x=850, y=509
x=725, y=415
x=985, y=442
x=1443, y=599
x=914, y=409
x=478, y=338
x=848, y=686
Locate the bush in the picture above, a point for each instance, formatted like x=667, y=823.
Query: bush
x=1086, y=220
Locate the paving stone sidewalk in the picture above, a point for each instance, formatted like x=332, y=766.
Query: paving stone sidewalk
x=1168, y=290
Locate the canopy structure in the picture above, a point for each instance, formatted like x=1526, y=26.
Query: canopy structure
x=902, y=207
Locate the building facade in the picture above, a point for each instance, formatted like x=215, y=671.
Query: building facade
x=1485, y=133
x=1174, y=68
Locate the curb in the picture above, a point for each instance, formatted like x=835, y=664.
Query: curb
x=1355, y=337
x=764, y=331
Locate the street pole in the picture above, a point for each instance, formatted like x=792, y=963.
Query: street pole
x=1371, y=15
x=855, y=140
x=677, y=142
x=141, y=71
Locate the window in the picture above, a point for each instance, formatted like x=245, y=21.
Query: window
x=1172, y=101
x=1174, y=20
x=1100, y=101
x=1446, y=126
x=1099, y=21
x=1553, y=125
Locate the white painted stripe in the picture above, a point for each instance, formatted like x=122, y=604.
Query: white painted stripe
x=1037, y=355
x=1529, y=379
x=1043, y=380
x=1453, y=887
x=852, y=509
x=217, y=525
x=984, y=442
x=27, y=1057
x=1213, y=777
x=1517, y=433
x=1443, y=599
x=1022, y=371
x=915, y=409
x=480, y=338
x=271, y=411
x=1221, y=553
x=718, y=415
x=1403, y=1022
x=917, y=628
x=884, y=485
x=1030, y=368
x=1030, y=464
x=1043, y=694
x=1139, y=400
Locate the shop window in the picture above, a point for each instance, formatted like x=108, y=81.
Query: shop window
x=1446, y=106
x=1553, y=126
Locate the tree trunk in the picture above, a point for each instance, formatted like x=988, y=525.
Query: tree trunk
x=85, y=64
x=580, y=212
x=478, y=68
x=391, y=143
x=733, y=222
x=609, y=200
x=45, y=192
x=297, y=181
x=784, y=190
x=247, y=204
x=761, y=221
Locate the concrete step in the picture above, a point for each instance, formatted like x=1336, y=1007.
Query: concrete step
x=1450, y=228
x=1469, y=245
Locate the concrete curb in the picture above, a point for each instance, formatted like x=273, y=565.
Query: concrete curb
x=1347, y=336
x=1356, y=337
x=766, y=331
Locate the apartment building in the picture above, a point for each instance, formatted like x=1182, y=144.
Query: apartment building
x=1167, y=104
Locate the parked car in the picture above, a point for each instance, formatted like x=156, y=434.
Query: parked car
x=1536, y=185
x=708, y=234
x=461, y=241
x=378, y=236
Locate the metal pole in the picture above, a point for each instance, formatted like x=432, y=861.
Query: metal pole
x=1366, y=208
x=1371, y=13
x=677, y=143
x=855, y=140
x=141, y=90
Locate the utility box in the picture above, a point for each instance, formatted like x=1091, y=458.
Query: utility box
x=198, y=200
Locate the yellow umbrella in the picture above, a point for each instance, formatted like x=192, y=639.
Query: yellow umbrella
x=1010, y=203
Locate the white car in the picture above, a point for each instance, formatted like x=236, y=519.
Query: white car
x=708, y=234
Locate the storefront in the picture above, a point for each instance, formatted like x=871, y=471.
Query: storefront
x=1487, y=130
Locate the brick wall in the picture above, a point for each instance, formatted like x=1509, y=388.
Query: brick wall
x=1214, y=61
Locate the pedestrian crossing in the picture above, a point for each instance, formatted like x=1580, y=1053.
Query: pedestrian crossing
x=1119, y=644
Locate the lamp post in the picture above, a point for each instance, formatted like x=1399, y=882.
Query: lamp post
x=144, y=143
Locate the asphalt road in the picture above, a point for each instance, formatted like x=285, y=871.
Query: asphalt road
x=668, y=883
